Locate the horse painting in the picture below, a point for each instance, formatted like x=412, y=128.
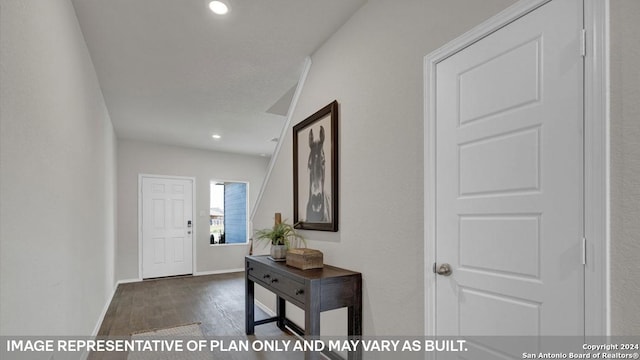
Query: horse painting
x=318, y=208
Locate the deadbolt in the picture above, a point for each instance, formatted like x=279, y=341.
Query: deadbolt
x=444, y=270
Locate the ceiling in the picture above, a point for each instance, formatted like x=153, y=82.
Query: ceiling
x=173, y=72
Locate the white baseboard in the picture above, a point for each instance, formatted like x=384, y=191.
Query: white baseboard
x=104, y=312
x=127, y=281
x=264, y=308
x=94, y=333
x=217, y=272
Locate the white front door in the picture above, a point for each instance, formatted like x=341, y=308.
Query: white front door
x=509, y=179
x=167, y=226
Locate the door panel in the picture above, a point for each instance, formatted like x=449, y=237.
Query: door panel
x=494, y=235
x=166, y=238
x=514, y=75
x=500, y=164
x=509, y=179
x=485, y=312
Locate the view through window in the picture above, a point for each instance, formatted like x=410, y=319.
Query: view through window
x=228, y=213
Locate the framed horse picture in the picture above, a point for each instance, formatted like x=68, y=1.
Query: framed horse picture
x=315, y=171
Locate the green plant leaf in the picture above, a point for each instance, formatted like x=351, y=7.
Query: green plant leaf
x=280, y=234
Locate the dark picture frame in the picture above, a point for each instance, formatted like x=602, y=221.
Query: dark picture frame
x=315, y=170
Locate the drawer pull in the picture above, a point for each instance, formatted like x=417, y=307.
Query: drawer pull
x=250, y=269
x=266, y=276
x=299, y=291
x=274, y=281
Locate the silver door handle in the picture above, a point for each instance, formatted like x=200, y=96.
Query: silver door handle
x=444, y=270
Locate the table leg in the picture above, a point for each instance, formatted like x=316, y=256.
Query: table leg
x=281, y=312
x=354, y=315
x=249, y=307
x=312, y=318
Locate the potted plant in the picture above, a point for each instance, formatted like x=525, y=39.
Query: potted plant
x=282, y=237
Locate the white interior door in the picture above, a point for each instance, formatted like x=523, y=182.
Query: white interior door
x=509, y=179
x=167, y=227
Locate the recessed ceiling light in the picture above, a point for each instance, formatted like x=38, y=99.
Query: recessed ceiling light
x=219, y=7
x=216, y=136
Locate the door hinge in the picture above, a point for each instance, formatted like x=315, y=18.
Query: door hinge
x=583, y=42
x=435, y=271
x=584, y=251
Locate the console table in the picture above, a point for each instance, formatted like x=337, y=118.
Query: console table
x=313, y=290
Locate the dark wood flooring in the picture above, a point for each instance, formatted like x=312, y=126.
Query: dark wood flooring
x=215, y=301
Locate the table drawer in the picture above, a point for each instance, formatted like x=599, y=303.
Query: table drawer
x=287, y=287
x=259, y=273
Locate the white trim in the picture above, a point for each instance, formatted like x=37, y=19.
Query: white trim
x=429, y=196
x=283, y=133
x=193, y=217
x=218, y=272
x=491, y=25
x=596, y=157
x=104, y=312
x=85, y=354
x=596, y=186
x=249, y=225
x=108, y=303
x=127, y=281
x=232, y=244
x=264, y=308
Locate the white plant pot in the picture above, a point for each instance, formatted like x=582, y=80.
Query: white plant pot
x=278, y=251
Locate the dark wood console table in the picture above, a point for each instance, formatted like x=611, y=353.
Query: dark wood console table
x=313, y=290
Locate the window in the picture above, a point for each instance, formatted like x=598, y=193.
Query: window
x=228, y=213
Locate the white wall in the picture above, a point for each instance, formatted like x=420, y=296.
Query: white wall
x=136, y=157
x=373, y=66
x=57, y=151
x=625, y=167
